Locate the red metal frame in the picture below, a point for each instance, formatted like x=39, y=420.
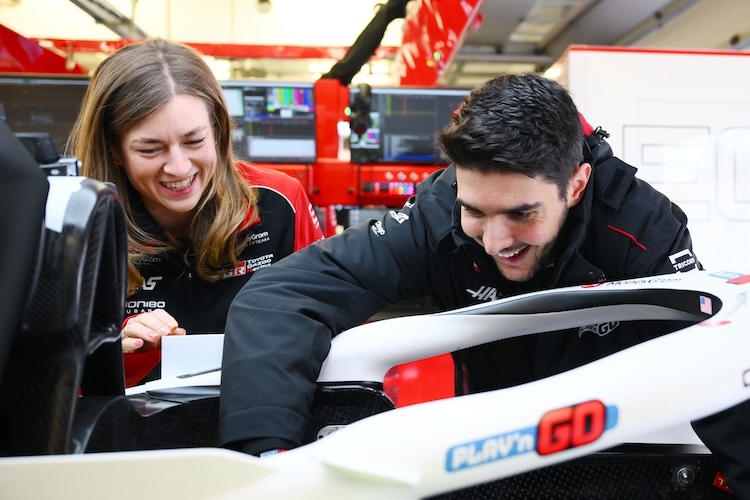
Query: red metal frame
x=228, y=50
x=21, y=55
x=432, y=36
x=331, y=102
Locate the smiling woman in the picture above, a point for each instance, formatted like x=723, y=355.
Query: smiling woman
x=154, y=123
x=170, y=157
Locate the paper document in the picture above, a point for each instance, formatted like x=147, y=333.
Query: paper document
x=190, y=365
x=184, y=354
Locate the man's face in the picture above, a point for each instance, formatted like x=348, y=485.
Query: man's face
x=515, y=218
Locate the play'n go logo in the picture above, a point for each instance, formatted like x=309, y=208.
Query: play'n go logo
x=558, y=430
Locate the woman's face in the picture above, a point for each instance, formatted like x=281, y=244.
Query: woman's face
x=169, y=158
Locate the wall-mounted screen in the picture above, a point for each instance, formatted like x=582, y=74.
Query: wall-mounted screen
x=42, y=104
x=401, y=124
x=273, y=122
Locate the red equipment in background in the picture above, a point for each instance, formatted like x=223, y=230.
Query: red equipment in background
x=340, y=182
x=389, y=185
x=21, y=55
x=433, y=33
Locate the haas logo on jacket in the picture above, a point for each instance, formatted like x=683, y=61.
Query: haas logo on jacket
x=150, y=283
x=483, y=293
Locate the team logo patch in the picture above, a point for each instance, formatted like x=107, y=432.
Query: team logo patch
x=258, y=238
x=683, y=260
x=377, y=228
x=399, y=216
x=486, y=293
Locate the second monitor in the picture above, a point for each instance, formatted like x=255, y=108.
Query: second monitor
x=273, y=122
x=398, y=125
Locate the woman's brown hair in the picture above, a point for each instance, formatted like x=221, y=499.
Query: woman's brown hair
x=127, y=87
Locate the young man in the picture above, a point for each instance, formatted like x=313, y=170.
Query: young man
x=528, y=203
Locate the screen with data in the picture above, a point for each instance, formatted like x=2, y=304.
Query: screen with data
x=401, y=124
x=273, y=122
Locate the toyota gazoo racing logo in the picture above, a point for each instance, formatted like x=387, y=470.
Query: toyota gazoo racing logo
x=558, y=430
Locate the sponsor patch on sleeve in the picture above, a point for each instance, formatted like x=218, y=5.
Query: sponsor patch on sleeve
x=684, y=260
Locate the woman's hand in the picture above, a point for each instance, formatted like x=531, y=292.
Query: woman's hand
x=144, y=332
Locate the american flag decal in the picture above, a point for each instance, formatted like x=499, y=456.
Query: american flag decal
x=706, y=305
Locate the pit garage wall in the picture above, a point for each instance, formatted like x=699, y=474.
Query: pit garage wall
x=683, y=119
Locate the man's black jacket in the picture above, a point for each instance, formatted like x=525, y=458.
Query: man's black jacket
x=280, y=325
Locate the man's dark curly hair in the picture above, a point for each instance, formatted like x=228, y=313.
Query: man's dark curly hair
x=524, y=124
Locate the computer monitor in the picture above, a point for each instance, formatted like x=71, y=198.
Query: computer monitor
x=41, y=104
x=273, y=122
x=402, y=124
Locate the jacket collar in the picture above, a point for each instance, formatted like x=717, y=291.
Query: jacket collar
x=441, y=215
x=437, y=203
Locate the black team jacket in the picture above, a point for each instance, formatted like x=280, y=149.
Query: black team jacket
x=280, y=326
x=287, y=223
